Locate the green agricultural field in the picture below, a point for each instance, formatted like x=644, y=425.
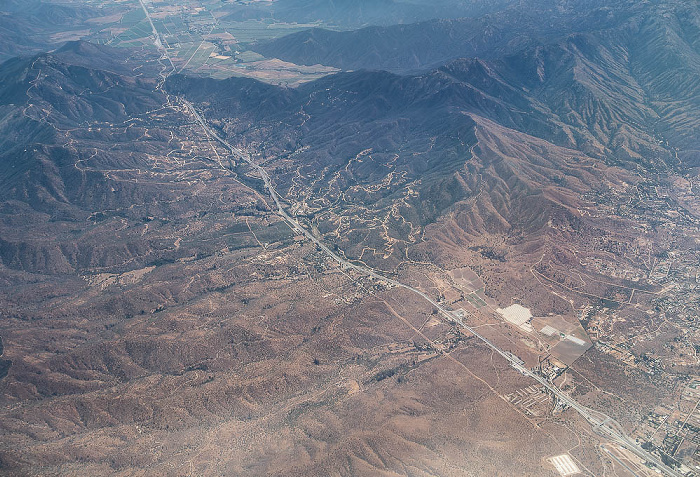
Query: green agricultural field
x=254, y=30
x=185, y=32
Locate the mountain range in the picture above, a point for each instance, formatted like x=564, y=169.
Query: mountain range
x=160, y=314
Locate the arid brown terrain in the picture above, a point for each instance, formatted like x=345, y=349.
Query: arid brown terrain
x=161, y=317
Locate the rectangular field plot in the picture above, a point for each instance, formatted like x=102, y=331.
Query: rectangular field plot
x=565, y=465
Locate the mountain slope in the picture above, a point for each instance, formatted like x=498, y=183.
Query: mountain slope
x=160, y=317
x=151, y=295
x=372, y=158
x=77, y=162
x=426, y=45
x=351, y=14
x=28, y=27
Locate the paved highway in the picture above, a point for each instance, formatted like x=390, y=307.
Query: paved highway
x=602, y=424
